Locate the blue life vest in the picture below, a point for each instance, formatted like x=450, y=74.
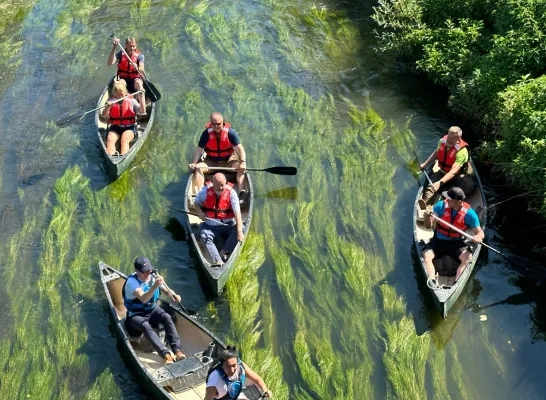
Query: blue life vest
x=234, y=388
x=135, y=305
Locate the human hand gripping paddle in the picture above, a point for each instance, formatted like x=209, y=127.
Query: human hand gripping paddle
x=64, y=121
x=422, y=169
x=151, y=91
x=172, y=294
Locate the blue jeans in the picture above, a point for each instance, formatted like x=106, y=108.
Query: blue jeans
x=145, y=322
x=211, y=234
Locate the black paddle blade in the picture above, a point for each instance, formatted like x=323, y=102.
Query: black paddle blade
x=151, y=92
x=280, y=170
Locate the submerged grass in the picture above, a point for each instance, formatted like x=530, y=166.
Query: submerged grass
x=321, y=260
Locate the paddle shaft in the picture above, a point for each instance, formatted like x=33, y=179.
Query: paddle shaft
x=463, y=233
x=197, y=215
x=142, y=74
x=424, y=171
x=168, y=289
x=272, y=170
x=95, y=109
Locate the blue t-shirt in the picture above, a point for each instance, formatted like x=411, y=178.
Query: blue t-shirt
x=232, y=137
x=470, y=219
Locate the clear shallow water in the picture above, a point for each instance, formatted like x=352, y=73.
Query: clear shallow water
x=326, y=303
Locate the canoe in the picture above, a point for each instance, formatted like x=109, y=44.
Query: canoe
x=117, y=164
x=215, y=277
x=182, y=380
x=449, y=291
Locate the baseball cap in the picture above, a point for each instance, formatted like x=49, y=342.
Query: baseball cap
x=142, y=264
x=455, y=193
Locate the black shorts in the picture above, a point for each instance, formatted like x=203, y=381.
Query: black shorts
x=120, y=129
x=131, y=84
x=452, y=248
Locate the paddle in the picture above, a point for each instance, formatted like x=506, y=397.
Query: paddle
x=186, y=310
x=80, y=116
x=197, y=215
x=151, y=91
x=272, y=170
x=464, y=233
x=424, y=171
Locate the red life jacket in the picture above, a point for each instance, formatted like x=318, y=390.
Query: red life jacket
x=122, y=113
x=457, y=222
x=219, y=147
x=125, y=69
x=446, y=159
x=218, y=207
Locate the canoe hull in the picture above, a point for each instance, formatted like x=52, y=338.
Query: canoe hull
x=445, y=298
x=215, y=277
x=117, y=165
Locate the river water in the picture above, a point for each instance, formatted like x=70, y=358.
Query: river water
x=325, y=302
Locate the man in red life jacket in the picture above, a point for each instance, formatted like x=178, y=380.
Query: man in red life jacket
x=126, y=70
x=223, y=148
x=455, y=211
x=452, y=156
x=218, y=202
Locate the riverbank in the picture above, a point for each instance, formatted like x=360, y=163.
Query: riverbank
x=491, y=58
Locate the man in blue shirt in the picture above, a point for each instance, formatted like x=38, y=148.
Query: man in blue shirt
x=140, y=294
x=446, y=241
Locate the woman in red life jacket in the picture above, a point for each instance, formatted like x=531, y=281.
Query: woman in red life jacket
x=122, y=118
x=126, y=69
x=446, y=241
x=452, y=155
x=223, y=148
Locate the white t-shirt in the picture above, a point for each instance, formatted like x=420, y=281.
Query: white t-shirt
x=216, y=380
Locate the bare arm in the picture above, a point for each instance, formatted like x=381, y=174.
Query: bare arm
x=197, y=155
x=477, y=234
x=210, y=393
x=106, y=111
x=430, y=159
x=254, y=378
x=241, y=152
x=452, y=172
x=112, y=56
x=143, y=296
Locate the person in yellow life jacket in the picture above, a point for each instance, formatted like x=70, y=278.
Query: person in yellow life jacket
x=453, y=157
x=219, y=203
x=121, y=118
x=223, y=148
x=126, y=70
x=455, y=211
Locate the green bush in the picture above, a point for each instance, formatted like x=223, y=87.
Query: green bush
x=491, y=56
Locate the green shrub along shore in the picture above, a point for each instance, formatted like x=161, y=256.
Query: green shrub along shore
x=491, y=56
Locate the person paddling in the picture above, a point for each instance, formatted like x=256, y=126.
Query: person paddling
x=227, y=379
x=223, y=148
x=446, y=241
x=140, y=294
x=453, y=156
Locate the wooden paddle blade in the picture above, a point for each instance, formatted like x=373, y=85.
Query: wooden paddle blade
x=151, y=92
x=280, y=170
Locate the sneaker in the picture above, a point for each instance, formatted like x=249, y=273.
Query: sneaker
x=243, y=197
x=168, y=358
x=422, y=204
x=178, y=355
